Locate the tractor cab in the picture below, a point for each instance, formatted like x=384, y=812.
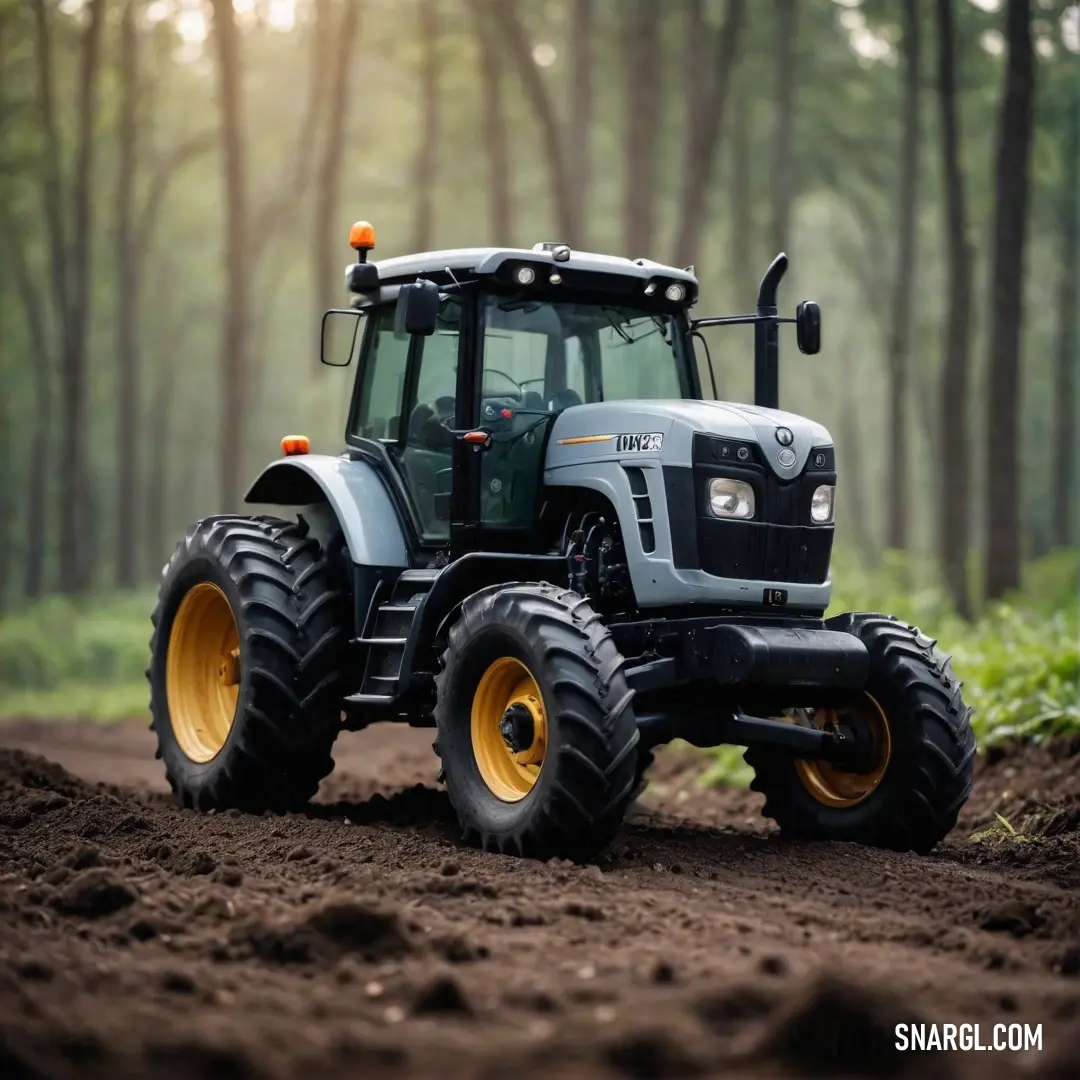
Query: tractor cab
x=465, y=359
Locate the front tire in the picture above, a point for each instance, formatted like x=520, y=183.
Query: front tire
x=245, y=665
x=919, y=729
x=536, y=733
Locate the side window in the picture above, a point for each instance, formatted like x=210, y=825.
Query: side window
x=420, y=428
x=437, y=383
x=426, y=459
x=379, y=412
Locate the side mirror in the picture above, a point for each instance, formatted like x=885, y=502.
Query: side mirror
x=417, y=310
x=808, y=327
x=340, y=337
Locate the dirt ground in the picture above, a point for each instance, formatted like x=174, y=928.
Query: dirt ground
x=139, y=939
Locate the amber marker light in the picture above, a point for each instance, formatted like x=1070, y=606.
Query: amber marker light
x=292, y=445
x=362, y=236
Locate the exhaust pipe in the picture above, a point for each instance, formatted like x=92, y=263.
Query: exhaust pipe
x=767, y=337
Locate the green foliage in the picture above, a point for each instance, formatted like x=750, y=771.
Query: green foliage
x=1022, y=673
x=727, y=768
x=78, y=659
x=73, y=701
x=846, y=134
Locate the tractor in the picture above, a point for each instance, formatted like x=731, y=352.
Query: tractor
x=547, y=544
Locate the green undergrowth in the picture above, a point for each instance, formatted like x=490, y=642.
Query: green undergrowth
x=1020, y=660
x=80, y=659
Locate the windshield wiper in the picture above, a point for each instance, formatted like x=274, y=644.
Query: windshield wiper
x=617, y=328
x=641, y=337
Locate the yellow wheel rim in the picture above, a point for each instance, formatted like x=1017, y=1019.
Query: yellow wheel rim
x=202, y=671
x=832, y=786
x=508, y=692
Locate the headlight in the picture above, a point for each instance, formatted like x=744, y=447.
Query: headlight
x=731, y=498
x=821, y=505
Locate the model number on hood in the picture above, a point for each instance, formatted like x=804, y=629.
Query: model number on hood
x=629, y=444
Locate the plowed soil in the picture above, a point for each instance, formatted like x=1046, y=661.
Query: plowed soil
x=359, y=939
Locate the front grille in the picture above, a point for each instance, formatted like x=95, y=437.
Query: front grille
x=759, y=551
x=779, y=544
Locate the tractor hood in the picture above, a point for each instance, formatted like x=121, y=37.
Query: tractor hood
x=664, y=431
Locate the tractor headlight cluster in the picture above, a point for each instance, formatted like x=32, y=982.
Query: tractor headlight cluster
x=731, y=498
x=821, y=505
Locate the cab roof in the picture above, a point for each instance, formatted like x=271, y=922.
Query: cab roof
x=486, y=261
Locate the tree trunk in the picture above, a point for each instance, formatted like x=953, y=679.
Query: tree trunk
x=697, y=82
x=157, y=541
x=580, y=122
x=704, y=129
x=743, y=257
x=954, y=490
x=856, y=518
x=328, y=230
x=427, y=156
x=8, y=550
x=75, y=568
x=1068, y=334
x=643, y=111
x=37, y=508
x=15, y=269
x=896, y=529
x=69, y=275
x=35, y=581
x=782, y=180
x=513, y=39
x=266, y=217
x=496, y=141
x=157, y=465
x=52, y=192
x=235, y=328
x=7, y=485
x=1006, y=303
x=126, y=548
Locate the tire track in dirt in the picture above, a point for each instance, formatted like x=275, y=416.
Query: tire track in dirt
x=140, y=939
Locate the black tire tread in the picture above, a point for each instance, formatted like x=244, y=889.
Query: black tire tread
x=597, y=763
x=934, y=772
x=292, y=640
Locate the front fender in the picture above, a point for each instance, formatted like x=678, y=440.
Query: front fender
x=354, y=491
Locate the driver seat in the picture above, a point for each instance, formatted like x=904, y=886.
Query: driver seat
x=564, y=399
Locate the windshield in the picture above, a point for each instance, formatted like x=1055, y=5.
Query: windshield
x=549, y=356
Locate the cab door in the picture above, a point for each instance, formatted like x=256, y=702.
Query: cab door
x=406, y=404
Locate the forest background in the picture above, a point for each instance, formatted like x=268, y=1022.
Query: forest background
x=177, y=179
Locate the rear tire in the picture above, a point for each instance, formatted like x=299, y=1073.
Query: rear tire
x=543, y=645
x=930, y=752
x=256, y=737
